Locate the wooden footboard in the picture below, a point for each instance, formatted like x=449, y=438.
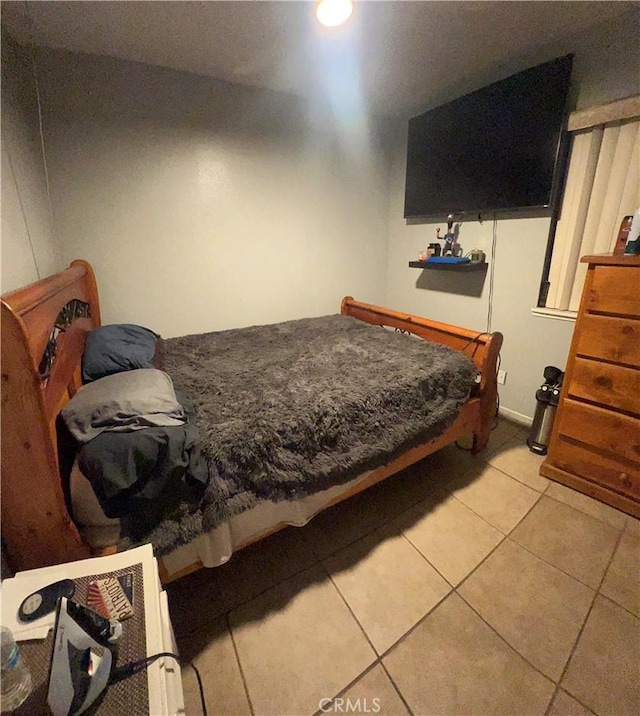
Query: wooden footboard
x=36, y=527
x=482, y=348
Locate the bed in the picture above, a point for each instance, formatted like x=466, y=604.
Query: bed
x=44, y=331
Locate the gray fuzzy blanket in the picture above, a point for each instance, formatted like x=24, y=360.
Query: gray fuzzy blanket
x=290, y=409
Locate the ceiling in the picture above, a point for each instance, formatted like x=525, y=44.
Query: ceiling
x=396, y=57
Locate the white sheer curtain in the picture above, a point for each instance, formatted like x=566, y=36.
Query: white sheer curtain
x=602, y=187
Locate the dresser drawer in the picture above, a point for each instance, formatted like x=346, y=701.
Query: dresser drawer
x=614, y=339
x=613, y=433
x=612, y=385
x=581, y=460
x=614, y=289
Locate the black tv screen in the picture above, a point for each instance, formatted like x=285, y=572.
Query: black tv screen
x=499, y=148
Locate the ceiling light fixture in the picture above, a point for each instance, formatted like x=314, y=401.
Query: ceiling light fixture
x=332, y=13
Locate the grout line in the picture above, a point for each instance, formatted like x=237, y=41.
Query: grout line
x=397, y=689
x=249, y=599
x=452, y=586
x=455, y=590
x=506, y=534
x=386, y=522
x=379, y=658
x=621, y=606
x=240, y=669
x=415, y=626
x=577, y=509
x=540, y=492
x=502, y=639
x=480, y=563
x=542, y=559
x=369, y=668
x=586, y=619
x=348, y=544
x=554, y=696
x=384, y=654
x=362, y=629
x=502, y=532
x=476, y=568
x=452, y=591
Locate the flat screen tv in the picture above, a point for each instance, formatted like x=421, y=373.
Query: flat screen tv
x=499, y=148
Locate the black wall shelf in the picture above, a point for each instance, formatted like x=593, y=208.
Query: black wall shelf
x=449, y=267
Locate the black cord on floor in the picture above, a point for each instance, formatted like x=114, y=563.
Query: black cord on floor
x=124, y=672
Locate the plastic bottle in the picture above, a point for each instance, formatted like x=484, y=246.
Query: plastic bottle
x=15, y=678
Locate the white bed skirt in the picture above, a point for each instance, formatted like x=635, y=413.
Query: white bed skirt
x=213, y=548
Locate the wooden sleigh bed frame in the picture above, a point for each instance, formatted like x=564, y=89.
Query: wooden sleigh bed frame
x=37, y=529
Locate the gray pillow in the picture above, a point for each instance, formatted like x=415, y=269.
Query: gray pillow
x=123, y=402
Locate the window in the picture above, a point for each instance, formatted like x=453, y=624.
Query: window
x=602, y=187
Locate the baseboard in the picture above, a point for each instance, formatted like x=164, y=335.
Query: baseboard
x=515, y=417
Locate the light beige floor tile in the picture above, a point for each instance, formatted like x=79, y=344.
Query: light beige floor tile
x=298, y=643
x=633, y=526
x=199, y=597
x=452, y=537
x=453, y=460
x=405, y=489
x=343, y=524
x=211, y=650
x=361, y=514
x=264, y=564
x=565, y=705
x=388, y=585
x=604, y=671
x=533, y=606
x=498, y=498
x=453, y=663
x=196, y=600
x=622, y=581
x=372, y=694
x=586, y=504
x=516, y=460
x=570, y=540
x=504, y=431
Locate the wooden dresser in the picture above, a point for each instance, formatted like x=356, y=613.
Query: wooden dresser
x=595, y=445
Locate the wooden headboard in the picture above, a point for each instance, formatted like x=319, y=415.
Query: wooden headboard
x=44, y=328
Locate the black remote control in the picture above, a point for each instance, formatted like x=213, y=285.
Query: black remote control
x=45, y=600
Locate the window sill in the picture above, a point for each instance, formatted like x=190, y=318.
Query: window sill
x=555, y=314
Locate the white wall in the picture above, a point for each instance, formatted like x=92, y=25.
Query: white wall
x=606, y=67
x=203, y=205
x=27, y=230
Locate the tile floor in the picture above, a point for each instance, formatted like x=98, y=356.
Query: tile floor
x=460, y=586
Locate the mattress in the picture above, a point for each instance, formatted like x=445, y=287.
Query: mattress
x=216, y=546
